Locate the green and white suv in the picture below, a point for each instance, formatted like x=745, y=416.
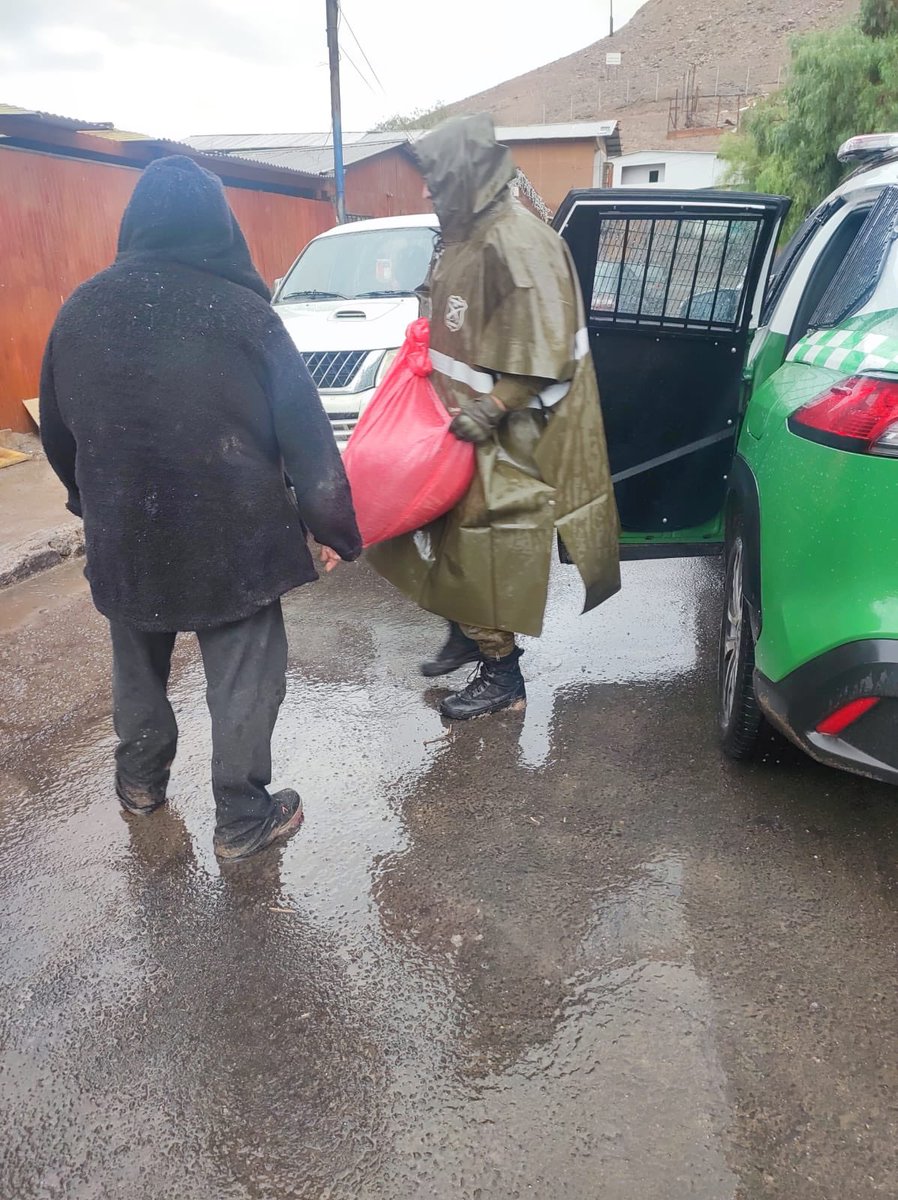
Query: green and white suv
x=752, y=408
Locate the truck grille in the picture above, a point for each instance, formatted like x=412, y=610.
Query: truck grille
x=335, y=368
x=343, y=427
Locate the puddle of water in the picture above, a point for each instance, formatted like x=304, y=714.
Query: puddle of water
x=43, y=593
x=647, y=633
x=439, y=988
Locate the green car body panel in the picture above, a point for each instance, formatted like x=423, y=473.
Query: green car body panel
x=711, y=533
x=806, y=513
x=825, y=579
x=767, y=355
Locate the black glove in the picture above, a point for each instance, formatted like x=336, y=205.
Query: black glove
x=477, y=420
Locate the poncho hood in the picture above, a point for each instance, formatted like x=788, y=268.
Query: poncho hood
x=179, y=213
x=466, y=169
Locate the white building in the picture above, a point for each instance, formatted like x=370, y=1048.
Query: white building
x=667, y=168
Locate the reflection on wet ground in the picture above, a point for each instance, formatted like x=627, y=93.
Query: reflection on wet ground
x=567, y=953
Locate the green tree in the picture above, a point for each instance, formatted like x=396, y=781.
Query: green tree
x=841, y=83
x=420, y=118
x=879, y=18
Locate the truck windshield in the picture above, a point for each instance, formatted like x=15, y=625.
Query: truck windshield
x=352, y=266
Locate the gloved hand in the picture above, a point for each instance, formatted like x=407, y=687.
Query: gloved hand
x=477, y=420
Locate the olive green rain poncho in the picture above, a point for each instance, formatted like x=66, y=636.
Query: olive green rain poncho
x=506, y=302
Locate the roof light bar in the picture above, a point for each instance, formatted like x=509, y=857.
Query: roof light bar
x=868, y=147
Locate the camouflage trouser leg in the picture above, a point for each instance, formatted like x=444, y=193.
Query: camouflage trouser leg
x=493, y=643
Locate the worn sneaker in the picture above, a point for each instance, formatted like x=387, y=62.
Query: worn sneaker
x=140, y=800
x=497, y=685
x=285, y=820
x=458, y=651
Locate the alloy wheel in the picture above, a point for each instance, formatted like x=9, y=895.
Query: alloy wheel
x=734, y=624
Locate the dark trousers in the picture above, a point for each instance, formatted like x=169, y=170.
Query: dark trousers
x=245, y=665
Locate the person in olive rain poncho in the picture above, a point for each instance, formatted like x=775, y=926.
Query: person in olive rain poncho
x=511, y=360
x=172, y=403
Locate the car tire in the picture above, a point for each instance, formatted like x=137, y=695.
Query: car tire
x=739, y=718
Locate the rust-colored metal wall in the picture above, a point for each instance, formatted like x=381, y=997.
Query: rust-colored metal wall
x=554, y=168
x=389, y=185
x=277, y=227
x=59, y=221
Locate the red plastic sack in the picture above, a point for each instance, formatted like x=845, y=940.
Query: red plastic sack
x=405, y=468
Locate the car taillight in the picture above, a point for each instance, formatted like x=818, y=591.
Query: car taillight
x=837, y=722
x=859, y=414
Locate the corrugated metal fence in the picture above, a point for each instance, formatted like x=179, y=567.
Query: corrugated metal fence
x=59, y=221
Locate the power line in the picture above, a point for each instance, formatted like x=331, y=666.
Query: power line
x=344, y=18
x=344, y=53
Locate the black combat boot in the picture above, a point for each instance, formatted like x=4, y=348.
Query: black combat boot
x=458, y=651
x=498, y=684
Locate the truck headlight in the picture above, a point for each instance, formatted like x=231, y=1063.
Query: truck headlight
x=385, y=363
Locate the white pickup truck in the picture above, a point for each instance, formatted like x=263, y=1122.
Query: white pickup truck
x=347, y=302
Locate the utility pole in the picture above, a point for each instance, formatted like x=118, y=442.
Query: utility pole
x=333, y=51
x=611, y=17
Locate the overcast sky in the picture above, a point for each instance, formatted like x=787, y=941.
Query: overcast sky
x=179, y=67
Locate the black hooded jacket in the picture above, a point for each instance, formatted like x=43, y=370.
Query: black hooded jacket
x=172, y=403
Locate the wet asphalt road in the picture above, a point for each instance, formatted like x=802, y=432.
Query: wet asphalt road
x=568, y=954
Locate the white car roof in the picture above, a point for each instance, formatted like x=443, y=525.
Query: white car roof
x=869, y=178
x=413, y=221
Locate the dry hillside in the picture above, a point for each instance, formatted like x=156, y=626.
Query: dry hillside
x=735, y=46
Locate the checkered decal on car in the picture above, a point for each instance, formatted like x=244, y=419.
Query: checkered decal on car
x=849, y=350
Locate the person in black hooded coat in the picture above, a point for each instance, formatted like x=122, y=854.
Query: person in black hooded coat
x=172, y=404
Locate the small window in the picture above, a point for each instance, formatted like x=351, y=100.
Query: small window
x=685, y=273
x=639, y=174
x=859, y=271
x=791, y=254
x=830, y=259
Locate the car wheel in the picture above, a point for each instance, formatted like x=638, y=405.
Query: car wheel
x=739, y=717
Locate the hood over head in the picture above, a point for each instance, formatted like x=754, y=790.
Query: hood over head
x=466, y=170
x=179, y=213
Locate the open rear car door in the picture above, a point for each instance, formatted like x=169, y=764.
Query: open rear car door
x=673, y=283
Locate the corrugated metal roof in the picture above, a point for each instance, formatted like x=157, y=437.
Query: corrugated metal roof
x=122, y=135
x=313, y=151
x=304, y=151
x=103, y=129
x=570, y=131
x=231, y=142
x=214, y=156
x=317, y=160
x=21, y=124
x=607, y=131
x=13, y=110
